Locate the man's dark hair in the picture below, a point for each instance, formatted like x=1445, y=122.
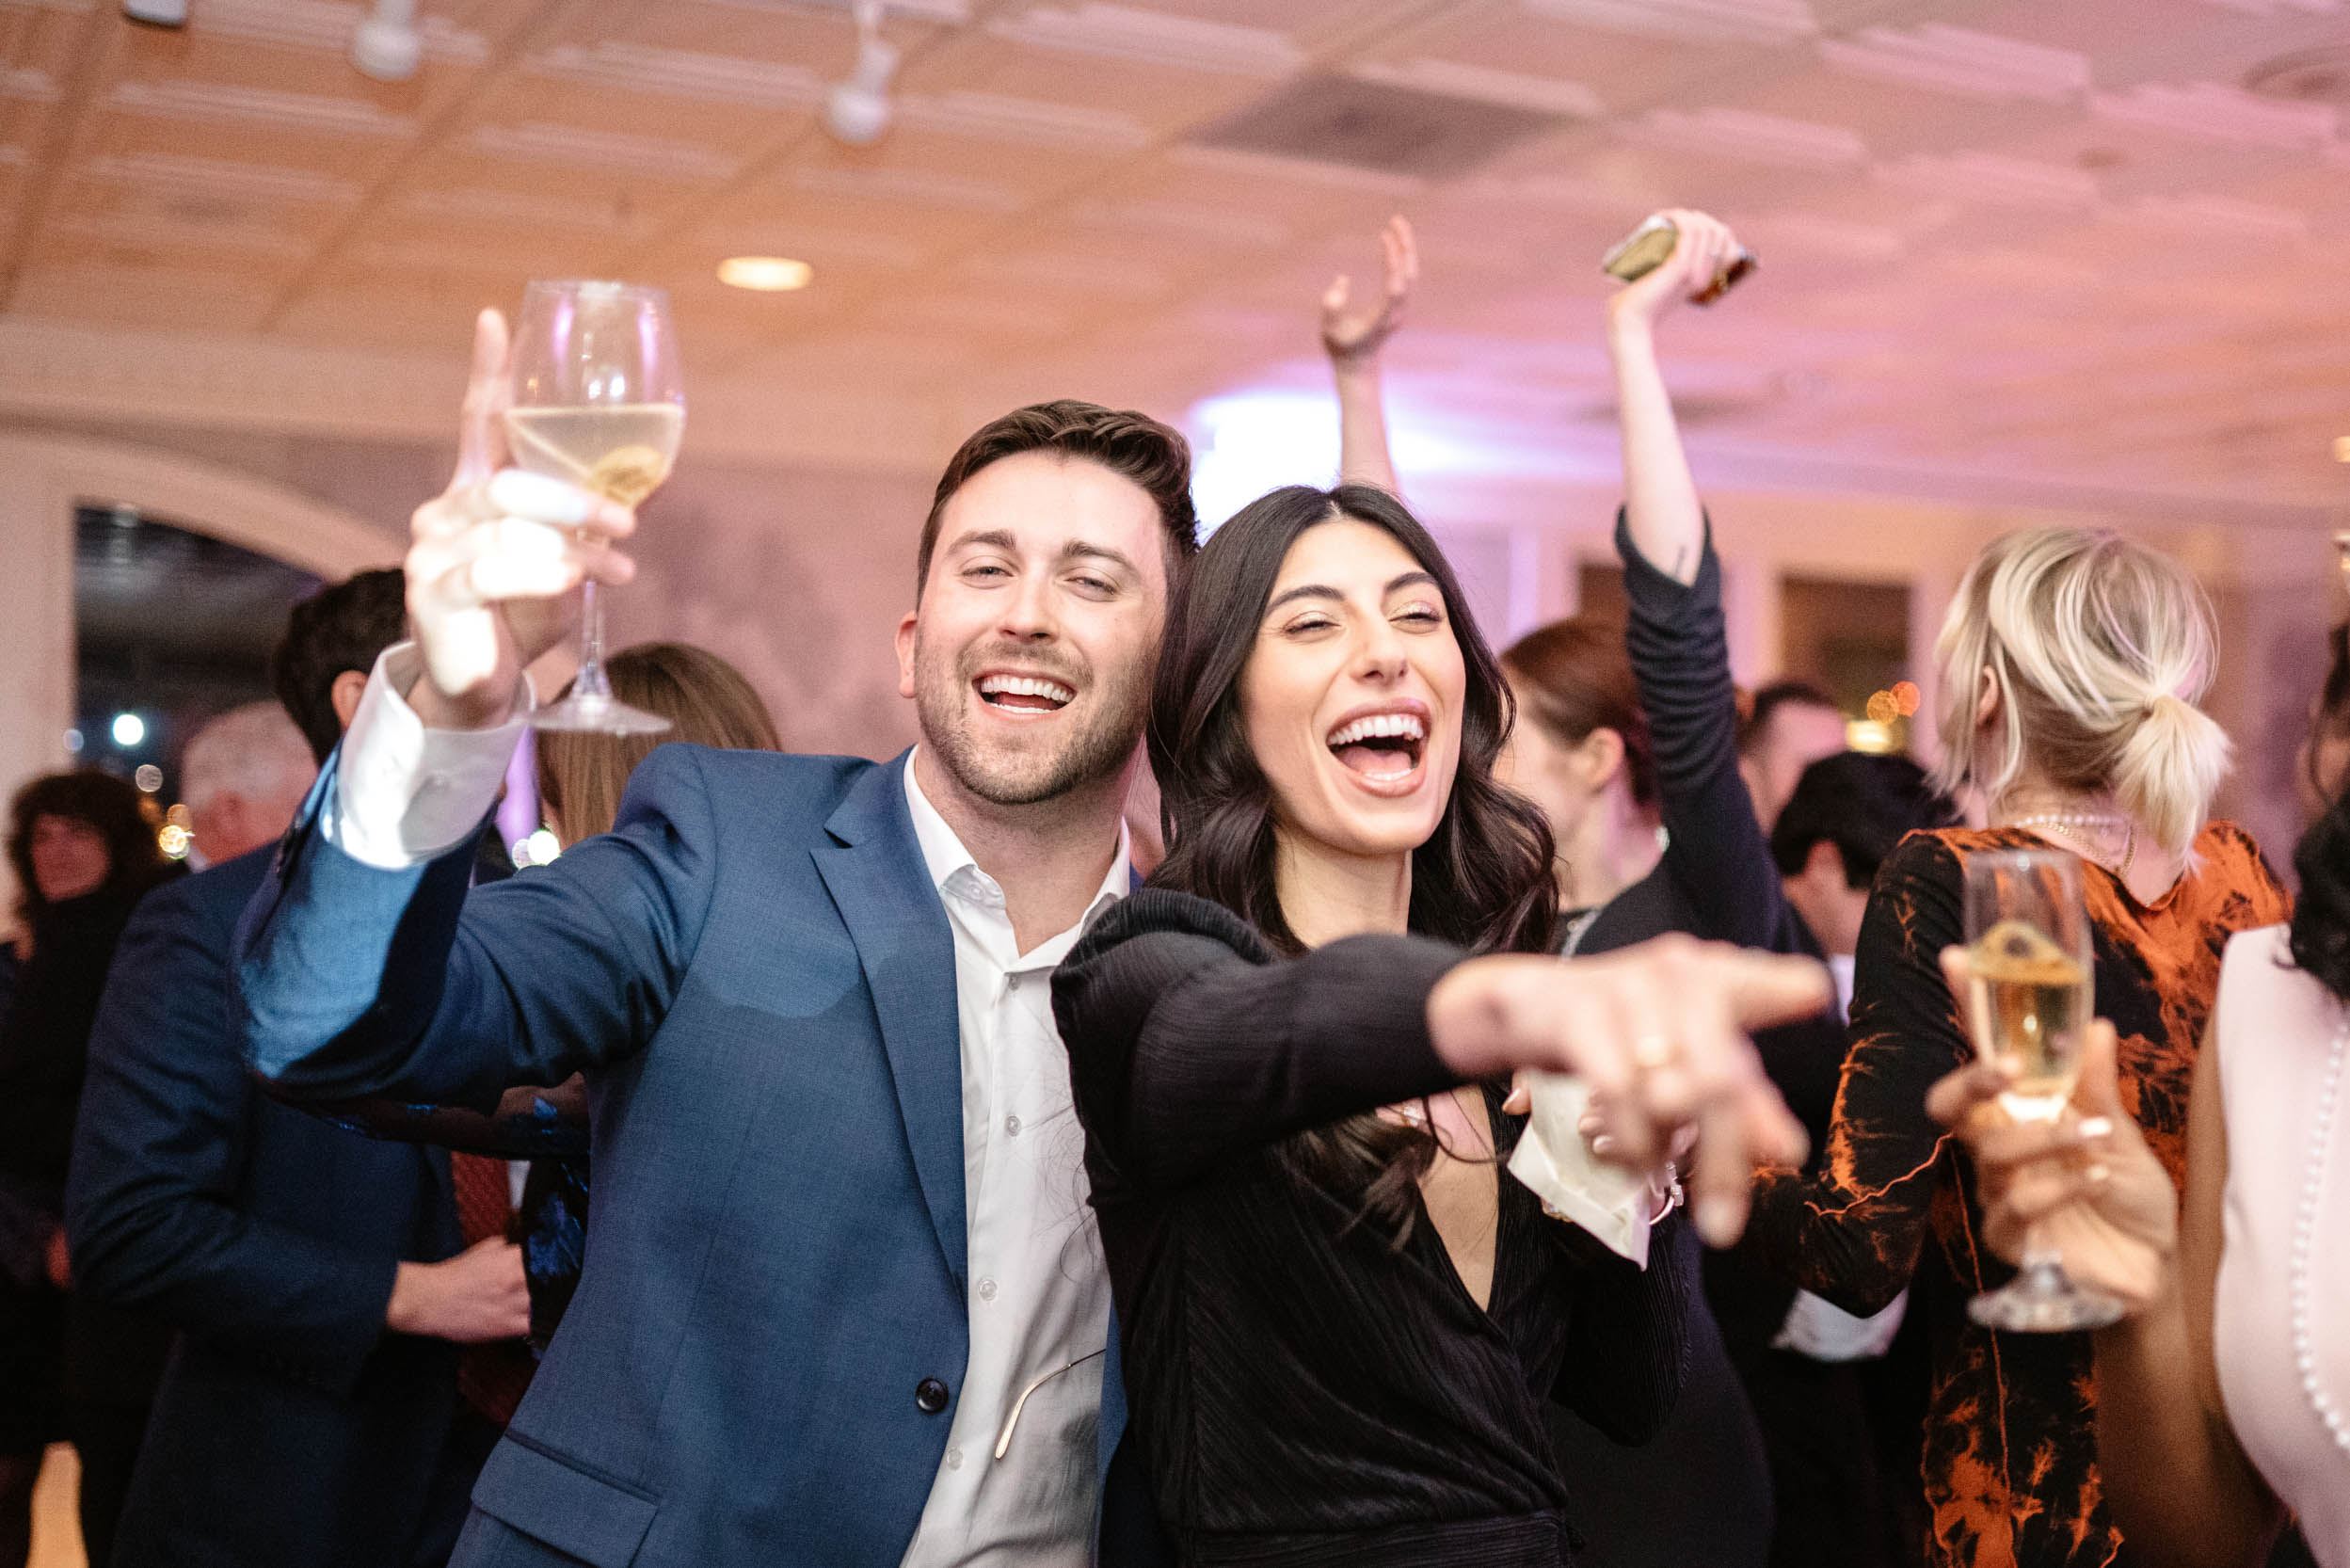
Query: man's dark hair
x=339, y=628
x=1864, y=805
x=1154, y=455
x=1770, y=698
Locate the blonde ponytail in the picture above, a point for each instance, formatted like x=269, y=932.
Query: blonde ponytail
x=2169, y=768
x=2099, y=649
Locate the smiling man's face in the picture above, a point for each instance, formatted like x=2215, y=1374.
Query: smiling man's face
x=1030, y=655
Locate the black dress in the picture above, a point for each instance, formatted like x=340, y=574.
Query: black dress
x=44, y=1047
x=1305, y=1391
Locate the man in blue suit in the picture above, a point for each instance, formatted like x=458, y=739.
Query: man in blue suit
x=309, y=1416
x=844, y=1303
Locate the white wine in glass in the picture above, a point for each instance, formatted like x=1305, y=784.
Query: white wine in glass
x=2031, y=964
x=599, y=403
x=622, y=452
x=2032, y=1010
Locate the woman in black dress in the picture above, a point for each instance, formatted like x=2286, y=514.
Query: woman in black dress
x=1340, y=1322
x=83, y=854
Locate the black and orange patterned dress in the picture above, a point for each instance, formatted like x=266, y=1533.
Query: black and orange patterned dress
x=2010, y=1450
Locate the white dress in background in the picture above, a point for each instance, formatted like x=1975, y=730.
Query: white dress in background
x=2276, y=1029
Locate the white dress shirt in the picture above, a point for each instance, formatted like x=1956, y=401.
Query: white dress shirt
x=1815, y=1328
x=1039, y=1289
x=1039, y=1299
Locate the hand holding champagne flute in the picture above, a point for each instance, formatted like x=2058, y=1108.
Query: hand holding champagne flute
x=598, y=403
x=493, y=559
x=2027, y=974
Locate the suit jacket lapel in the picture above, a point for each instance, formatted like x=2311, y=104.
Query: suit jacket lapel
x=883, y=890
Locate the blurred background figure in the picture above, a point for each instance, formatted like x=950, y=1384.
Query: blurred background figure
x=2324, y=759
x=84, y=850
x=707, y=702
x=2072, y=662
x=1581, y=751
x=311, y=1414
x=2220, y=1395
x=1843, y=817
x=242, y=777
x=1790, y=726
x=1842, y=1399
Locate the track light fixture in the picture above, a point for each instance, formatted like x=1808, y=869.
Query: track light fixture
x=858, y=110
x=387, y=45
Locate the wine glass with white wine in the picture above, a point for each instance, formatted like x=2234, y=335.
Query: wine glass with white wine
x=597, y=401
x=2030, y=998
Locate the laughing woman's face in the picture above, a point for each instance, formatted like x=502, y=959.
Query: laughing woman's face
x=1351, y=698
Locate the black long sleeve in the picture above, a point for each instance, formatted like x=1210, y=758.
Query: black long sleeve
x=1311, y=1386
x=157, y=1212
x=1717, y=852
x=1200, y=1044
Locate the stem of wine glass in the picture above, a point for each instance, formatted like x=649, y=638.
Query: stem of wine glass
x=591, y=683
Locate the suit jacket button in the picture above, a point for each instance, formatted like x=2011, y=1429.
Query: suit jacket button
x=929, y=1396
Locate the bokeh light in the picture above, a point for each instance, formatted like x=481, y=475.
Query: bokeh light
x=540, y=849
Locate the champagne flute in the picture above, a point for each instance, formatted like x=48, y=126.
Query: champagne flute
x=2030, y=998
x=598, y=402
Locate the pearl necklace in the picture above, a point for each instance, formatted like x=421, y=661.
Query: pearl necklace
x=2070, y=824
x=2304, y=1245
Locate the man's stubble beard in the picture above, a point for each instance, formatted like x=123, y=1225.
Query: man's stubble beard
x=1097, y=750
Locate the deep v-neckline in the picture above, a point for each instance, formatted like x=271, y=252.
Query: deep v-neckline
x=1491, y=1166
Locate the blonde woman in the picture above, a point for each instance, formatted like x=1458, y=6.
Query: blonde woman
x=2070, y=665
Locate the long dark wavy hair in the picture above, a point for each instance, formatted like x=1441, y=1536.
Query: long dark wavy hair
x=2321, y=915
x=1483, y=880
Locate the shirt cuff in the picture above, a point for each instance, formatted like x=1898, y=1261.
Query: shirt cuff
x=1823, y=1332
x=1555, y=1161
x=404, y=793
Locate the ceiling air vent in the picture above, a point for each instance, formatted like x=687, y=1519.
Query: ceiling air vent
x=1380, y=126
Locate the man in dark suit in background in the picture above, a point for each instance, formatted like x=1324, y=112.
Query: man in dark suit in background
x=309, y=1415
x=242, y=775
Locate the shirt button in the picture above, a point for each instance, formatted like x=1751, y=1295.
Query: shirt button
x=1012, y=1126
x=987, y=1290
x=954, y=1459
x=929, y=1396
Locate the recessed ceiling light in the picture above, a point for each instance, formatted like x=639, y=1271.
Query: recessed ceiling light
x=2342, y=449
x=767, y=274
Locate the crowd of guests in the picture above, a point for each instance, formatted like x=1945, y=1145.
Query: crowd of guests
x=1083, y=1139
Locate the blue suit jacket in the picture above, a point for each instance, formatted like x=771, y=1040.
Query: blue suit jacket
x=290, y=1428
x=755, y=975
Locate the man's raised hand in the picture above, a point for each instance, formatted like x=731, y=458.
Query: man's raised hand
x=492, y=560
